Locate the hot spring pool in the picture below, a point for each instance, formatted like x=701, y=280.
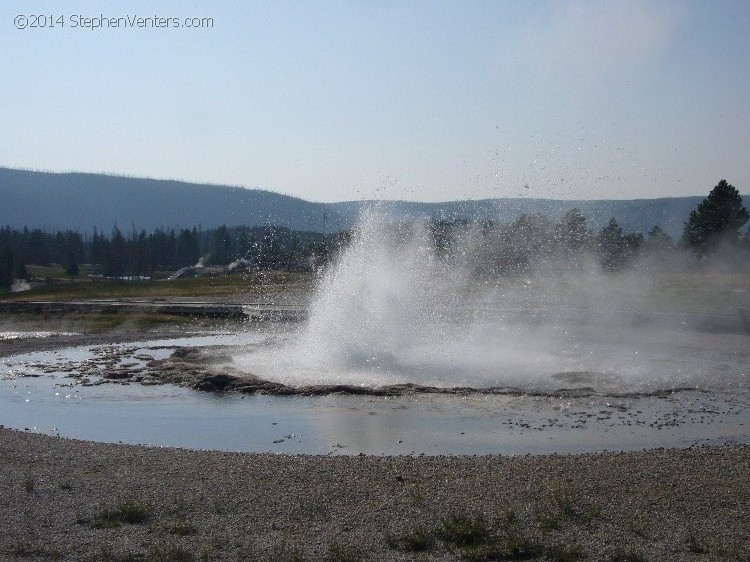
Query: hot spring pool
x=44, y=392
x=565, y=360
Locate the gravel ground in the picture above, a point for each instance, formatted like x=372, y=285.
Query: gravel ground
x=72, y=500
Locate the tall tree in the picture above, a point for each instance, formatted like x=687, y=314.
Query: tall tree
x=717, y=219
x=611, y=246
x=222, y=246
x=572, y=237
x=115, y=261
x=7, y=262
x=658, y=240
x=188, y=249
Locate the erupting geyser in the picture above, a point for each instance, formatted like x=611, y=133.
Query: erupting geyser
x=400, y=306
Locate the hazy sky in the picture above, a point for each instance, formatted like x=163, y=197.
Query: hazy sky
x=401, y=99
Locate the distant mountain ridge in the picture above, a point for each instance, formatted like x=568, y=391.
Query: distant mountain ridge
x=82, y=201
x=633, y=215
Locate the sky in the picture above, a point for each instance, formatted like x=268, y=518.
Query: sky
x=380, y=99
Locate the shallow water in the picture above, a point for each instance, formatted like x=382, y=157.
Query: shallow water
x=38, y=393
x=17, y=335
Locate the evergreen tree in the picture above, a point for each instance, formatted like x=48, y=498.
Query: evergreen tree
x=188, y=250
x=572, y=237
x=658, y=240
x=222, y=246
x=7, y=267
x=72, y=269
x=611, y=246
x=717, y=219
x=115, y=258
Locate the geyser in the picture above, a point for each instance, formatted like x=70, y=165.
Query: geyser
x=398, y=305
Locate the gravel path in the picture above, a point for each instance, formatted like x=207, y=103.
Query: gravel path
x=71, y=500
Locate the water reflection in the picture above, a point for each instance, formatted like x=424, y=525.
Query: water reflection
x=431, y=424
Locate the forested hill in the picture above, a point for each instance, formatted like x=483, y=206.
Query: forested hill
x=80, y=201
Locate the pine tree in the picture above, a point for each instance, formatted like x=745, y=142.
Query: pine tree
x=717, y=219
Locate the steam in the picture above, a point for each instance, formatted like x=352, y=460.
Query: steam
x=395, y=307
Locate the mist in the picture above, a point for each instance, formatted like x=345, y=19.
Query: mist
x=406, y=303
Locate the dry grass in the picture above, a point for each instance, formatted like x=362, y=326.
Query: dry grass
x=227, y=285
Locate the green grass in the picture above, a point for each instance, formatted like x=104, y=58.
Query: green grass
x=52, y=271
x=462, y=530
x=128, y=512
x=473, y=538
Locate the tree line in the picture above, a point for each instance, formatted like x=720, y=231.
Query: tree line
x=521, y=246
x=138, y=253
x=533, y=241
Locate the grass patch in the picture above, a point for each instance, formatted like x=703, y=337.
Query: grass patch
x=129, y=512
x=97, y=322
x=565, y=506
x=563, y=499
x=418, y=540
x=55, y=271
x=472, y=538
x=224, y=285
x=464, y=531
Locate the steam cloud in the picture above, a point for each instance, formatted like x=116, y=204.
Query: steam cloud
x=394, y=308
